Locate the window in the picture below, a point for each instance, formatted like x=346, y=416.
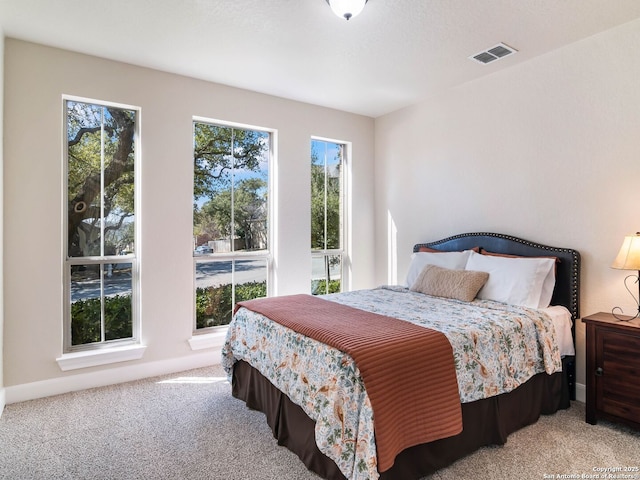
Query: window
x=327, y=212
x=230, y=219
x=100, y=260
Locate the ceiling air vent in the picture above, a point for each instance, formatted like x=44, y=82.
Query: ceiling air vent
x=494, y=53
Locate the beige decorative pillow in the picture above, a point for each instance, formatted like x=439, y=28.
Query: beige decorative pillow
x=442, y=282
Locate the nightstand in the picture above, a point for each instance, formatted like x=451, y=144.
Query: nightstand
x=613, y=369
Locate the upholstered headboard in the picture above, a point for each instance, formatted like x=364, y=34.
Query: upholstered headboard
x=567, y=289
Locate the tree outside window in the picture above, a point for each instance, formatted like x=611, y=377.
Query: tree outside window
x=230, y=219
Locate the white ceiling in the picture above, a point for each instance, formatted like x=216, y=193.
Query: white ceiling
x=396, y=53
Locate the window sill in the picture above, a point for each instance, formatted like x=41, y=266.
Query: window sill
x=93, y=358
x=208, y=340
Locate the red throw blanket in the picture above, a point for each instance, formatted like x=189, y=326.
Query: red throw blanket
x=408, y=370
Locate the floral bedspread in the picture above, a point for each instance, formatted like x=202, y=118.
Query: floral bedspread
x=496, y=347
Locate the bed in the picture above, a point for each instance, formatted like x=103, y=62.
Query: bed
x=274, y=372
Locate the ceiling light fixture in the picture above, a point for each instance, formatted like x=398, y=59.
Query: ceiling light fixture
x=347, y=8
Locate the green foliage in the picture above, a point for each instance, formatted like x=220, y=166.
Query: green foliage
x=213, y=307
x=319, y=287
x=249, y=215
x=85, y=319
x=214, y=304
x=218, y=150
x=250, y=290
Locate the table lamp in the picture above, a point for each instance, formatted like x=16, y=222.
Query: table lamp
x=629, y=259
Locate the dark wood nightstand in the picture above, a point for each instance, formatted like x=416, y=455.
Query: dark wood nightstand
x=613, y=369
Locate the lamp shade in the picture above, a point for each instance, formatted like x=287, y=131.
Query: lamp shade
x=629, y=255
x=346, y=8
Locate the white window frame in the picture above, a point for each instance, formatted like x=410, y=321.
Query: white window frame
x=211, y=336
x=86, y=355
x=345, y=172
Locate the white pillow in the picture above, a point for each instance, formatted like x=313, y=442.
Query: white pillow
x=517, y=281
x=547, y=288
x=451, y=260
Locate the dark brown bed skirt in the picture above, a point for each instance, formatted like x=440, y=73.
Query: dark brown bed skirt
x=486, y=422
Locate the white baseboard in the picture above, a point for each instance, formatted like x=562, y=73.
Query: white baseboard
x=581, y=392
x=120, y=374
x=116, y=374
x=3, y=399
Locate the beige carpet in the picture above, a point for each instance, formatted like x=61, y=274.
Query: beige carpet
x=188, y=426
x=559, y=446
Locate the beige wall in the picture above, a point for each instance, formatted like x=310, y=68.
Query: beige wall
x=2, y=392
x=36, y=77
x=548, y=150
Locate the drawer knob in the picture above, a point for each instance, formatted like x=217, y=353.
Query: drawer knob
x=599, y=372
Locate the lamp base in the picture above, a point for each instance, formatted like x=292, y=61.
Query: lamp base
x=626, y=318
x=622, y=317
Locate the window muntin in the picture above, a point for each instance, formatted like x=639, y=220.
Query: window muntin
x=327, y=216
x=230, y=219
x=100, y=259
